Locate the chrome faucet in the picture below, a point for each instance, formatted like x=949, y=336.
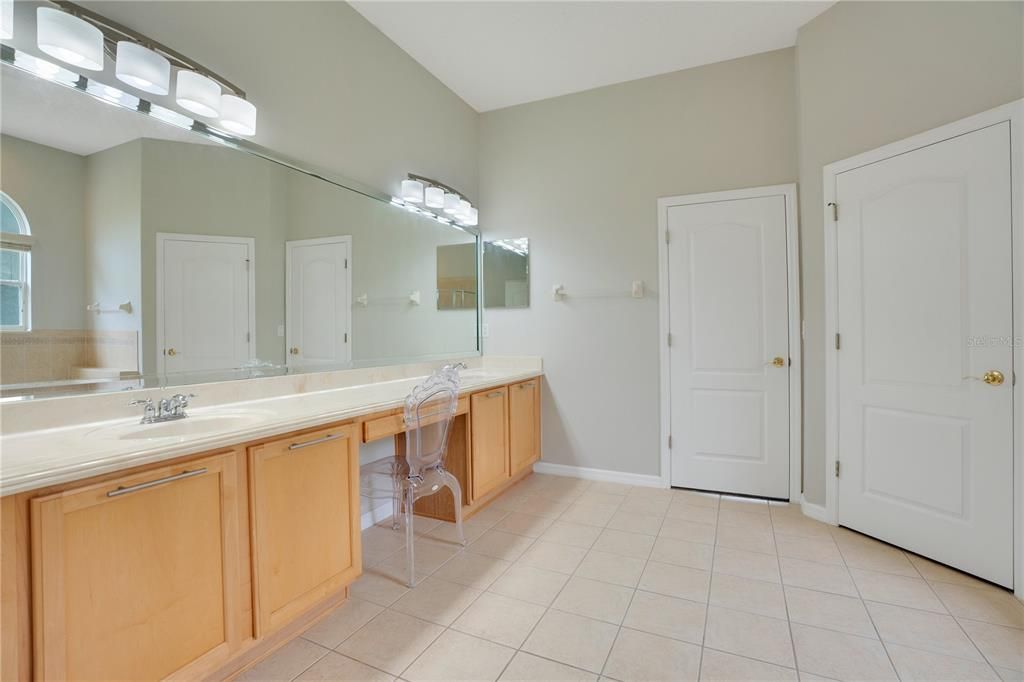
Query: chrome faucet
x=168, y=409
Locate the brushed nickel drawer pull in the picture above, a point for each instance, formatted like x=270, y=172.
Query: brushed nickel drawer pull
x=152, y=484
x=494, y=394
x=316, y=441
x=528, y=385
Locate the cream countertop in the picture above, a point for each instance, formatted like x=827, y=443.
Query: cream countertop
x=60, y=454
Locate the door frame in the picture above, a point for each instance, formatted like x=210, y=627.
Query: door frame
x=161, y=239
x=288, y=246
x=1013, y=113
x=789, y=193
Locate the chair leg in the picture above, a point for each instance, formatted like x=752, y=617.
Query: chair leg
x=410, y=500
x=456, y=489
x=396, y=509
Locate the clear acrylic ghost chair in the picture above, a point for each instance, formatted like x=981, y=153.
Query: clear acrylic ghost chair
x=429, y=411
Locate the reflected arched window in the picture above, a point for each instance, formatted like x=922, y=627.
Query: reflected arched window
x=15, y=266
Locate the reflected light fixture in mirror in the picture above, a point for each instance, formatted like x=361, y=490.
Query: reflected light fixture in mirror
x=6, y=19
x=412, y=191
x=434, y=197
x=463, y=212
x=237, y=115
x=451, y=203
x=198, y=94
x=69, y=39
x=142, y=68
x=473, y=218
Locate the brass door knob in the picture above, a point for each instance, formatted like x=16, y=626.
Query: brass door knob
x=172, y=352
x=777, y=362
x=293, y=350
x=993, y=377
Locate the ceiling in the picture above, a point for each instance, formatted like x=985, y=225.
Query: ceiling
x=36, y=110
x=498, y=54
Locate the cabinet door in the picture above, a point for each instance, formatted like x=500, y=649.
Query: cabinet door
x=490, y=460
x=524, y=424
x=305, y=522
x=137, y=578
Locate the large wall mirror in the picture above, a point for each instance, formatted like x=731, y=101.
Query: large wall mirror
x=136, y=253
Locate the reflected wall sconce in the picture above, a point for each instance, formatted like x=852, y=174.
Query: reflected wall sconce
x=441, y=202
x=83, y=38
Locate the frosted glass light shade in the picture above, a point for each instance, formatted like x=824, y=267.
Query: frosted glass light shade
x=473, y=218
x=6, y=19
x=142, y=68
x=451, y=203
x=463, y=211
x=237, y=115
x=434, y=197
x=69, y=39
x=412, y=191
x=198, y=94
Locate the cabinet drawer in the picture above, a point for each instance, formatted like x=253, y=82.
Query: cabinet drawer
x=489, y=416
x=138, y=578
x=305, y=521
x=383, y=427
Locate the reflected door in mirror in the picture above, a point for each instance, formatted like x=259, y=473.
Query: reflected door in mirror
x=319, y=302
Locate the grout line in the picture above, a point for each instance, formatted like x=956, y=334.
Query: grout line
x=785, y=599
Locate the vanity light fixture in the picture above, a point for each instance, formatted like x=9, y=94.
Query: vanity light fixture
x=412, y=191
x=463, y=211
x=69, y=39
x=474, y=218
x=198, y=94
x=142, y=68
x=237, y=115
x=434, y=197
x=6, y=19
x=451, y=203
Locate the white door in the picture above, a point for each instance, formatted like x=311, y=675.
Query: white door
x=924, y=308
x=319, y=304
x=728, y=320
x=204, y=303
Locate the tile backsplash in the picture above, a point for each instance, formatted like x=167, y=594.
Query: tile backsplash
x=53, y=354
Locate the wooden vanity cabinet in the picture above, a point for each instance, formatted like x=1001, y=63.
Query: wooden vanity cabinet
x=524, y=424
x=305, y=521
x=138, y=577
x=488, y=412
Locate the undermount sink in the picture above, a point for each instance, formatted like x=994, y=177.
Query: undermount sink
x=195, y=425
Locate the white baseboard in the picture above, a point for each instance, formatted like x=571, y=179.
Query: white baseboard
x=815, y=511
x=606, y=475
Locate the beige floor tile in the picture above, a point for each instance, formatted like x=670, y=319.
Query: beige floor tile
x=626, y=544
x=718, y=666
x=643, y=656
x=589, y=514
x=829, y=611
x=445, y=532
x=913, y=664
x=380, y=543
x=815, y=576
x=1002, y=646
x=552, y=557
x=801, y=526
x=342, y=622
x=1008, y=675
x=594, y=599
x=985, y=604
x=840, y=656
x=455, y=656
x=511, y=500
x=529, y=668
x=822, y=550
x=744, y=519
x=697, y=498
x=521, y=523
x=378, y=588
x=285, y=663
x=474, y=570
x=429, y=556
x=573, y=534
x=680, y=510
x=611, y=568
x=748, y=634
x=636, y=523
x=683, y=553
x=490, y=516
x=527, y=583
x=499, y=619
x=676, y=581
x=754, y=565
x=334, y=667
x=501, y=545
x=933, y=632
x=750, y=505
x=666, y=616
x=592, y=496
x=935, y=572
x=573, y=640
x=436, y=600
x=874, y=556
x=546, y=507
x=691, y=531
x=610, y=488
x=744, y=594
x=896, y=589
x=746, y=538
x=391, y=641
x=646, y=493
x=643, y=505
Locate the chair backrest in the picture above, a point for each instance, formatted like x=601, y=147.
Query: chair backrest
x=429, y=411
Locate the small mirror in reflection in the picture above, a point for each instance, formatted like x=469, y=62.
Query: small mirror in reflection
x=506, y=273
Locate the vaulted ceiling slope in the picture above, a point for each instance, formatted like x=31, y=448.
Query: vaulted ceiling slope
x=499, y=54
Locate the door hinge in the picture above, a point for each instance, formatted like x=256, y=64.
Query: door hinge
x=835, y=211
x=247, y=265
x=670, y=442
x=837, y=468
x=248, y=337
x=346, y=263
x=346, y=337
x=667, y=238
x=837, y=341
x=669, y=339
